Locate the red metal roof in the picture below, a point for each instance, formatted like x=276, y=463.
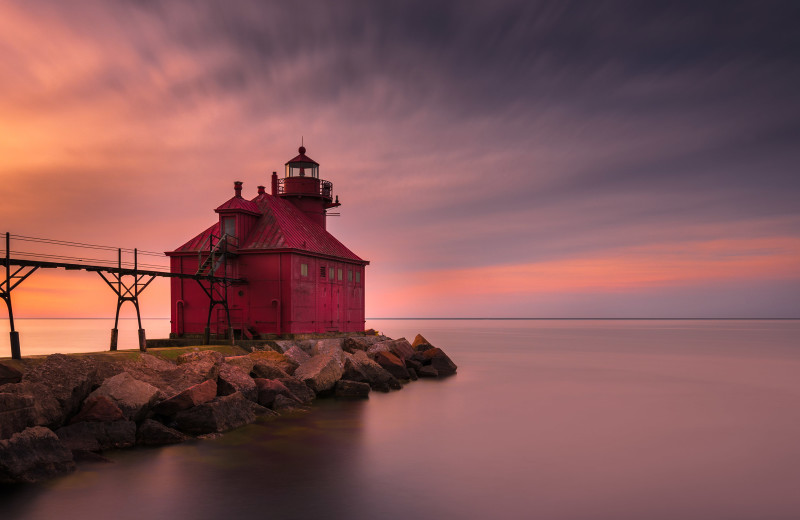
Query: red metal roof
x=239, y=203
x=303, y=157
x=281, y=226
x=197, y=242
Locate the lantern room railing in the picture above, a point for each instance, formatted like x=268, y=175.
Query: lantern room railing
x=325, y=188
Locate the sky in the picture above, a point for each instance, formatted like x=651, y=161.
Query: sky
x=493, y=158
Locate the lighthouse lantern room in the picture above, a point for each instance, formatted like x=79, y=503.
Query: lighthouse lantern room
x=284, y=272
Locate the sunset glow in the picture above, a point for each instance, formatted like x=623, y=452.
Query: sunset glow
x=489, y=161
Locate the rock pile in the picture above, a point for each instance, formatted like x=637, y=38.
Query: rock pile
x=70, y=408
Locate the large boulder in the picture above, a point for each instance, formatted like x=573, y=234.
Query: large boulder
x=299, y=389
x=378, y=378
x=392, y=364
x=170, y=378
x=352, y=370
x=68, y=379
x=421, y=344
x=330, y=346
x=222, y=414
x=381, y=346
x=427, y=371
x=200, y=355
x=153, y=433
x=297, y=355
x=268, y=389
x=351, y=389
x=320, y=372
x=133, y=397
x=276, y=359
x=192, y=396
x=439, y=360
x=244, y=362
x=17, y=412
x=267, y=370
x=9, y=374
x=33, y=455
x=401, y=348
x=284, y=403
x=46, y=410
x=99, y=408
x=363, y=343
x=234, y=379
x=98, y=436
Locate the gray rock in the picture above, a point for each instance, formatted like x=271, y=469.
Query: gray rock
x=283, y=403
x=133, y=397
x=192, y=396
x=267, y=370
x=427, y=371
x=99, y=408
x=330, y=346
x=363, y=343
x=98, y=436
x=401, y=348
x=170, y=378
x=243, y=362
x=297, y=355
x=440, y=361
x=269, y=389
x=201, y=355
x=421, y=344
x=392, y=364
x=351, y=389
x=234, y=379
x=17, y=412
x=320, y=372
x=378, y=378
x=33, y=455
x=381, y=346
x=222, y=414
x=68, y=379
x=412, y=374
x=352, y=370
x=9, y=374
x=46, y=411
x=298, y=389
x=153, y=433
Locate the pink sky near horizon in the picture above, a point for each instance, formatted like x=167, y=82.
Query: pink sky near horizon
x=125, y=125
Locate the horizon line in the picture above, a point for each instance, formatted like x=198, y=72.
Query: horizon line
x=446, y=318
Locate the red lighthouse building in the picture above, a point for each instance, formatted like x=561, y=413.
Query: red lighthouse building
x=284, y=273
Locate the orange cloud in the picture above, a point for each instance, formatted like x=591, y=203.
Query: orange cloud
x=627, y=269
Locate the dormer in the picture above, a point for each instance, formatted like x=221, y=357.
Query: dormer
x=237, y=217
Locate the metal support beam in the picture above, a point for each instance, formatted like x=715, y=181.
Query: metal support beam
x=12, y=280
x=127, y=291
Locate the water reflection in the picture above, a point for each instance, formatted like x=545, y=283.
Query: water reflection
x=553, y=420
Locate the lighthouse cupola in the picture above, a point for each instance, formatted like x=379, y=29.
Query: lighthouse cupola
x=302, y=186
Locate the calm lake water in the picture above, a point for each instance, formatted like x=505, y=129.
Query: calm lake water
x=545, y=419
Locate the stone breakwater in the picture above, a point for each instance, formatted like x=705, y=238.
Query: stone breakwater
x=66, y=409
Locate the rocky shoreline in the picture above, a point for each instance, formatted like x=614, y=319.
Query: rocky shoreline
x=70, y=408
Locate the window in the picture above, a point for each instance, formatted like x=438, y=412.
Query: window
x=331, y=272
x=322, y=272
x=358, y=277
x=229, y=226
x=303, y=269
x=349, y=275
x=340, y=275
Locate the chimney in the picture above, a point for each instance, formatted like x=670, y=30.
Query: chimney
x=237, y=187
x=275, y=183
x=261, y=190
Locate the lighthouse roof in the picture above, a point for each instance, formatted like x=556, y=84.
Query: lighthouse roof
x=237, y=203
x=302, y=157
x=281, y=227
